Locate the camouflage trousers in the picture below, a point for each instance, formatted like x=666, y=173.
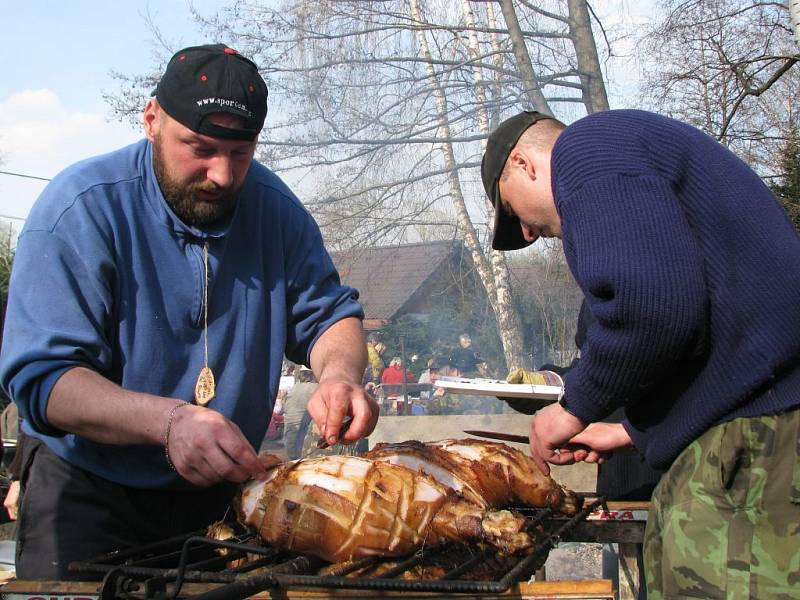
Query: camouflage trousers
x=725, y=519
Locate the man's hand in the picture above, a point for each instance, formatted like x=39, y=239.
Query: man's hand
x=205, y=448
x=332, y=401
x=552, y=429
x=338, y=359
x=602, y=439
x=12, y=499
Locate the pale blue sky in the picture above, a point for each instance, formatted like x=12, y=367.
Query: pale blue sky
x=55, y=61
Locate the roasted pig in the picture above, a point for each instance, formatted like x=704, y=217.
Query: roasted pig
x=399, y=497
x=346, y=507
x=490, y=474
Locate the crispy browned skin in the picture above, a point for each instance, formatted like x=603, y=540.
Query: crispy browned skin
x=345, y=507
x=491, y=474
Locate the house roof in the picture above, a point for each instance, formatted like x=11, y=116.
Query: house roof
x=388, y=276
x=537, y=275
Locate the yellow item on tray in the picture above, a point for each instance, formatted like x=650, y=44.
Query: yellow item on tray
x=534, y=377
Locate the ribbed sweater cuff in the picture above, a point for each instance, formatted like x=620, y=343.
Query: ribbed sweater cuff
x=639, y=438
x=584, y=401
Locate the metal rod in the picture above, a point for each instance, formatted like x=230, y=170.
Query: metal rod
x=264, y=561
x=199, y=540
x=346, y=568
x=399, y=585
x=540, y=517
x=244, y=588
x=189, y=576
x=403, y=368
x=403, y=566
x=120, y=555
x=466, y=566
x=299, y=571
x=552, y=541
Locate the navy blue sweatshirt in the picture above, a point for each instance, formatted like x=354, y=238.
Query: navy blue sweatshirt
x=691, y=269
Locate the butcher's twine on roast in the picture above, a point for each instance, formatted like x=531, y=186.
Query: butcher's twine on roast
x=398, y=498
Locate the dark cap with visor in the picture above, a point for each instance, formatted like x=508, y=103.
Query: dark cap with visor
x=507, y=228
x=202, y=80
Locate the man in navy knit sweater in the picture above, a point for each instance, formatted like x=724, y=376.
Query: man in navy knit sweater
x=691, y=270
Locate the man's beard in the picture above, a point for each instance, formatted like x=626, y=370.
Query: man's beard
x=182, y=197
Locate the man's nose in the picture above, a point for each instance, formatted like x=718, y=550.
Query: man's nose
x=220, y=171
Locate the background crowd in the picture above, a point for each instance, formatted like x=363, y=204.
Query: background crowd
x=403, y=386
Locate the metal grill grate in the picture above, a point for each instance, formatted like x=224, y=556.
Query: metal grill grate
x=159, y=571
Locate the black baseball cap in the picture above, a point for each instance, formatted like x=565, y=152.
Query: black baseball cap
x=507, y=228
x=201, y=80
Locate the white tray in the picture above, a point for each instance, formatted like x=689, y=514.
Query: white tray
x=498, y=387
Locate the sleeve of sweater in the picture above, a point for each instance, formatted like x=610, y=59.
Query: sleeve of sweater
x=632, y=251
x=315, y=295
x=56, y=319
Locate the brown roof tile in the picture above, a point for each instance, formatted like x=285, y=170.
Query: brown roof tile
x=388, y=276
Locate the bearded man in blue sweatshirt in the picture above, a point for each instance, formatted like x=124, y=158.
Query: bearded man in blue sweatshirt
x=154, y=293
x=691, y=270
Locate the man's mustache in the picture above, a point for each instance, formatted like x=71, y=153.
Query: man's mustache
x=211, y=188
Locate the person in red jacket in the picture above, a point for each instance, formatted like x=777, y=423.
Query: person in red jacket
x=393, y=374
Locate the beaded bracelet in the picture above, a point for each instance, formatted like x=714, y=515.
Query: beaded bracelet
x=169, y=428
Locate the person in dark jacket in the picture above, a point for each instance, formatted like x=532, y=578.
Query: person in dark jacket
x=465, y=359
x=623, y=475
x=690, y=269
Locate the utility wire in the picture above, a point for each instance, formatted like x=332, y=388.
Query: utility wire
x=12, y=218
x=24, y=176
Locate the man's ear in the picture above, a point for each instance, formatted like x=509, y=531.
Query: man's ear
x=151, y=118
x=519, y=158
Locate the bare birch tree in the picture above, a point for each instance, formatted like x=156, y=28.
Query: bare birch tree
x=729, y=68
x=379, y=111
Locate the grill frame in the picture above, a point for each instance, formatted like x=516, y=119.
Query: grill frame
x=140, y=573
